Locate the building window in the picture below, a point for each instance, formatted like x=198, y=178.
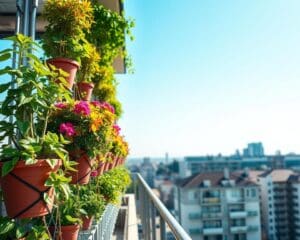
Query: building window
x=253, y=193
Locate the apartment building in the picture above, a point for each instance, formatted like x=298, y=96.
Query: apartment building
x=219, y=206
x=280, y=210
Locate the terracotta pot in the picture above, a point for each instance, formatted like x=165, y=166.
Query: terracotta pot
x=82, y=176
x=101, y=168
x=69, y=232
x=87, y=223
x=85, y=90
x=18, y=196
x=68, y=65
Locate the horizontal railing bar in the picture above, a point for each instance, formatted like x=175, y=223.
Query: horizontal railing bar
x=175, y=227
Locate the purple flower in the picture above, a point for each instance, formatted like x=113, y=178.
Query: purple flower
x=117, y=128
x=60, y=105
x=67, y=129
x=108, y=107
x=82, y=108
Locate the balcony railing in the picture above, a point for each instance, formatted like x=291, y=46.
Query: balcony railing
x=212, y=231
x=212, y=214
x=150, y=206
x=238, y=214
x=211, y=200
x=238, y=229
x=103, y=228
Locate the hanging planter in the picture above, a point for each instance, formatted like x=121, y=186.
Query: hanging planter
x=69, y=232
x=84, y=168
x=100, y=168
x=23, y=190
x=85, y=90
x=87, y=222
x=68, y=65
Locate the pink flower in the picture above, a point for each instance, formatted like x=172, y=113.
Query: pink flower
x=96, y=103
x=67, y=129
x=60, y=105
x=94, y=174
x=108, y=107
x=117, y=128
x=82, y=108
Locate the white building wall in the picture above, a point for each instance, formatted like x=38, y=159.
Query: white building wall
x=267, y=206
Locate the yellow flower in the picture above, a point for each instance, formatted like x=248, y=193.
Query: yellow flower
x=96, y=121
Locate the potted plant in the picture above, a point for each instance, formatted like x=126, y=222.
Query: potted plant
x=64, y=38
x=29, y=229
x=93, y=205
x=113, y=184
x=87, y=126
x=89, y=68
x=32, y=153
x=65, y=222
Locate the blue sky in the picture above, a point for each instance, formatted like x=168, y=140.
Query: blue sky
x=211, y=76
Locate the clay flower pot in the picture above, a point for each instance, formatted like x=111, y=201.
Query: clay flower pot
x=69, y=232
x=23, y=190
x=101, y=168
x=87, y=222
x=68, y=65
x=85, y=90
x=84, y=168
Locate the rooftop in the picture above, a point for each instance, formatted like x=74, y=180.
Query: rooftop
x=215, y=179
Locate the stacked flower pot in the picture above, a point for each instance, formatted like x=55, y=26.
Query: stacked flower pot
x=59, y=137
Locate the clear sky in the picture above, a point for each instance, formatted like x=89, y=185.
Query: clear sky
x=211, y=76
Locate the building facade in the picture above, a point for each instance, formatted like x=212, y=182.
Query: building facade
x=219, y=206
x=280, y=198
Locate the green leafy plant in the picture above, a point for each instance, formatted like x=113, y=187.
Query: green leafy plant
x=93, y=203
x=89, y=63
x=67, y=19
x=113, y=184
x=31, y=229
x=27, y=107
x=108, y=33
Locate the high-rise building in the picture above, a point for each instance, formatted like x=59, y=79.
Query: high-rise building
x=218, y=206
x=280, y=194
x=255, y=149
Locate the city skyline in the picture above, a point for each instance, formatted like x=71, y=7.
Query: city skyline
x=211, y=76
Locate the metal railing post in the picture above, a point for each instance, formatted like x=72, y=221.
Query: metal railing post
x=153, y=221
x=149, y=199
x=162, y=228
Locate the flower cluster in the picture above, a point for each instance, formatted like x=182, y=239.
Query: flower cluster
x=88, y=125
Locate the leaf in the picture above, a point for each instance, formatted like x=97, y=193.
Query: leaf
x=4, y=87
x=20, y=232
x=6, y=225
x=52, y=162
x=72, y=219
x=23, y=127
x=5, y=57
x=9, y=166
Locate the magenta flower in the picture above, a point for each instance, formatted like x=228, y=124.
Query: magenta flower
x=94, y=174
x=60, y=105
x=67, y=129
x=82, y=108
x=96, y=103
x=108, y=107
x=117, y=128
